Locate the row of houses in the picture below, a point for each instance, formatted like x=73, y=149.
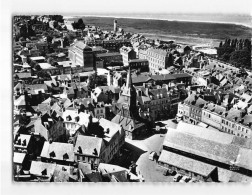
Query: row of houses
x=236, y=120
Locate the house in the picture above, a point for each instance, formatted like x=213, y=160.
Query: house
x=20, y=162
x=89, y=149
x=51, y=172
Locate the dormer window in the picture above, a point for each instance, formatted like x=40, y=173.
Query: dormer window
x=24, y=143
x=65, y=156
x=44, y=172
x=52, y=154
x=79, y=150
x=95, y=152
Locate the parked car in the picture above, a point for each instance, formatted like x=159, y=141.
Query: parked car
x=152, y=155
x=192, y=180
x=185, y=179
x=166, y=172
x=177, y=177
x=173, y=172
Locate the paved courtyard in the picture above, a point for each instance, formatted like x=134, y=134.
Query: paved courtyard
x=148, y=168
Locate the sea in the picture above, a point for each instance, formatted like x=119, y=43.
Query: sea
x=191, y=29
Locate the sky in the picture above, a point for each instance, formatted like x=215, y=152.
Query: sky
x=137, y=6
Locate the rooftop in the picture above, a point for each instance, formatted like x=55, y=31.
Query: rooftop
x=88, y=145
x=58, y=151
x=186, y=163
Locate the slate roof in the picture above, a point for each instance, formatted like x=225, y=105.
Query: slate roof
x=101, y=55
x=141, y=79
x=20, y=101
x=37, y=87
x=23, y=75
x=210, y=149
x=114, y=128
x=164, y=77
x=88, y=144
x=186, y=163
x=82, y=45
x=218, y=146
x=22, y=138
x=59, y=149
x=18, y=157
x=38, y=167
x=128, y=124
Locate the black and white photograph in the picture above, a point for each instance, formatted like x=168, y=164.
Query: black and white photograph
x=131, y=91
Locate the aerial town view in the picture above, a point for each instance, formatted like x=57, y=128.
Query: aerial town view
x=117, y=99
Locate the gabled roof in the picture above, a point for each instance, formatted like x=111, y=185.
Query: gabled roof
x=37, y=87
x=18, y=157
x=128, y=124
x=82, y=45
x=20, y=101
x=141, y=79
x=113, y=129
x=208, y=143
x=91, y=146
x=63, y=151
x=186, y=163
x=42, y=169
x=23, y=75
x=22, y=141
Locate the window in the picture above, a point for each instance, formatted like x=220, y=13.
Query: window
x=226, y=122
x=223, y=121
x=97, y=111
x=101, y=111
x=238, y=134
x=239, y=128
x=242, y=129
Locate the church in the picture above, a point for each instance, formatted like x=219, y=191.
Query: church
x=134, y=121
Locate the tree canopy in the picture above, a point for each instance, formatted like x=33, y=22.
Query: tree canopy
x=236, y=52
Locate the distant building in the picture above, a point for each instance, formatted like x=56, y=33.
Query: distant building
x=115, y=26
x=158, y=58
x=127, y=54
x=82, y=55
x=108, y=59
x=139, y=64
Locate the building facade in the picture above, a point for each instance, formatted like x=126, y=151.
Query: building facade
x=82, y=55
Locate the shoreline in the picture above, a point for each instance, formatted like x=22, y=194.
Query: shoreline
x=169, y=20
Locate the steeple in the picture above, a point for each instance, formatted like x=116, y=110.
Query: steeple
x=129, y=80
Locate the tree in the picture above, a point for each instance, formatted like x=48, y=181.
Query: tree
x=49, y=39
x=81, y=24
x=241, y=58
x=37, y=67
